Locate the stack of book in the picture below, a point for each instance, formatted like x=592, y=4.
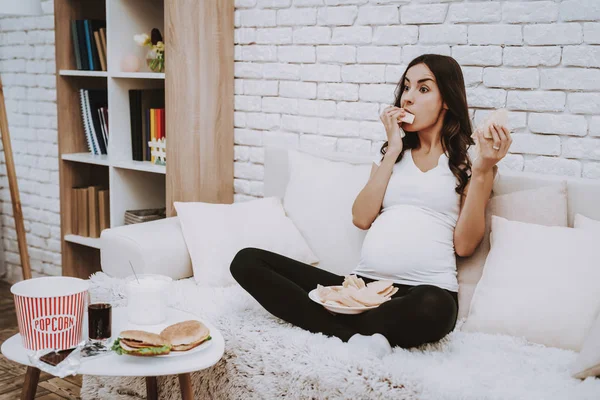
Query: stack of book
x=94, y=114
x=89, y=44
x=147, y=118
x=139, y=216
x=91, y=213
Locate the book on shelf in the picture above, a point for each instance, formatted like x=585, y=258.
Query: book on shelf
x=89, y=44
x=100, y=49
x=104, y=209
x=144, y=215
x=93, y=223
x=147, y=120
x=82, y=212
x=94, y=115
x=102, y=32
x=91, y=212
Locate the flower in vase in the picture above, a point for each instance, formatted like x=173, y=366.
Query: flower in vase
x=142, y=39
x=155, y=58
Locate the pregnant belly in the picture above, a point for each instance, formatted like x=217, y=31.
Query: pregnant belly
x=408, y=241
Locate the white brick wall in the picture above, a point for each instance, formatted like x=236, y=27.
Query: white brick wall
x=27, y=68
x=322, y=84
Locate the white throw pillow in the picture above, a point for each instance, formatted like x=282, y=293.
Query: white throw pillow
x=583, y=222
x=588, y=361
x=319, y=198
x=538, y=282
x=543, y=206
x=214, y=233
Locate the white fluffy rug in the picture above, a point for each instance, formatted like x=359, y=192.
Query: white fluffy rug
x=266, y=358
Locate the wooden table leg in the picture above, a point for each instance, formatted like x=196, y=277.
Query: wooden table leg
x=151, y=388
x=30, y=384
x=185, y=383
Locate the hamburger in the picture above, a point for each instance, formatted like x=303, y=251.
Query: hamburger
x=186, y=335
x=141, y=343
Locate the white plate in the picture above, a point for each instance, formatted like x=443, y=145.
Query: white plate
x=174, y=316
x=338, y=309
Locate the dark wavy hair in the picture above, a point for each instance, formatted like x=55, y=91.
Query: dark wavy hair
x=456, y=130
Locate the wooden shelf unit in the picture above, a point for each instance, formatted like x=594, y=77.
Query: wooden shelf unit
x=198, y=103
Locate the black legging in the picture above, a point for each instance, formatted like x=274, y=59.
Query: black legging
x=415, y=315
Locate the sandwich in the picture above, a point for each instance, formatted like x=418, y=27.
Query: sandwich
x=141, y=343
x=186, y=335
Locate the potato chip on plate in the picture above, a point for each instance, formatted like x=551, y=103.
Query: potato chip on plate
x=353, y=296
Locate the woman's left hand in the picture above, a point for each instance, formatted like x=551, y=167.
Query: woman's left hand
x=491, y=151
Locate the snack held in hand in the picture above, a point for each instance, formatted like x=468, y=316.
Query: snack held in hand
x=186, y=335
x=355, y=293
x=498, y=117
x=141, y=343
x=408, y=118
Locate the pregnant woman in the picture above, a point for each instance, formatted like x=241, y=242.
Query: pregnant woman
x=423, y=203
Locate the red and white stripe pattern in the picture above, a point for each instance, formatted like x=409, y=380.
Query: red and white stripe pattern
x=50, y=322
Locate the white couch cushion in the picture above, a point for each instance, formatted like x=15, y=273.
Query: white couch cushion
x=588, y=361
x=538, y=282
x=155, y=247
x=319, y=198
x=214, y=233
x=583, y=222
x=543, y=206
x=583, y=194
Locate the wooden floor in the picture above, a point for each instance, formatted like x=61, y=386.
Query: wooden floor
x=12, y=374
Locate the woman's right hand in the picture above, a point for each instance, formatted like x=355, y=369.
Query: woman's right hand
x=389, y=117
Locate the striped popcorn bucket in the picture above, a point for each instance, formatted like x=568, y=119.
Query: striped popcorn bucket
x=50, y=311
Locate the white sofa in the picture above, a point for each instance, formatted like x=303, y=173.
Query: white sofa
x=159, y=247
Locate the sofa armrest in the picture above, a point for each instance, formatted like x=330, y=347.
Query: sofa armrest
x=155, y=247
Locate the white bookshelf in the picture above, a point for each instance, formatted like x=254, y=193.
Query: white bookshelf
x=132, y=184
x=194, y=28
x=83, y=240
x=87, y=158
x=139, y=75
x=131, y=191
x=75, y=72
x=117, y=74
x=140, y=166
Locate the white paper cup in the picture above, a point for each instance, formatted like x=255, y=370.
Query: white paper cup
x=147, y=299
x=50, y=311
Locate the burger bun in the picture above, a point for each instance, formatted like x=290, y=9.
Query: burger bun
x=185, y=335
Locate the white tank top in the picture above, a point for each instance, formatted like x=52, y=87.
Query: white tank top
x=411, y=242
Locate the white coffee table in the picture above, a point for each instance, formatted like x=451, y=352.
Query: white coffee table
x=124, y=365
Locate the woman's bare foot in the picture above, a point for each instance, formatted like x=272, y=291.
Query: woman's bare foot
x=376, y=344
